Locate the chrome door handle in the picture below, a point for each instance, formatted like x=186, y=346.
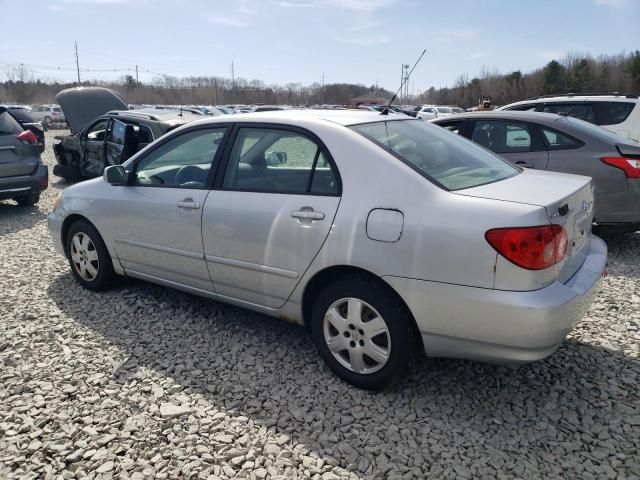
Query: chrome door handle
x=308, y=215
x=188, y=203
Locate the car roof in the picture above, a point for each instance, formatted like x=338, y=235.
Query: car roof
x=340, y=117
x=156, y=114
x=578, y=98
x=504, y=114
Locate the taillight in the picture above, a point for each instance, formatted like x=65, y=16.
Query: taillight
x=28, y=137
x=630, y=166
x=533, y=248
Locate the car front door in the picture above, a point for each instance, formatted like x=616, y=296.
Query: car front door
x=157, y=230
x=518, y=142
x=270, y=214
x=92, y=144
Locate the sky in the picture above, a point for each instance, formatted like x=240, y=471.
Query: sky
x=297, y=41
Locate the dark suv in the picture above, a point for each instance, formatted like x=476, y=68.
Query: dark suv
x=22, y=174
x=104, y=132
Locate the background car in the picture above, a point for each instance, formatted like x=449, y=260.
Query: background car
x=22, y=174
x=105, y=132
x=619, y=113
x=429, y=112
x=384, y=235
x=24, y=118
x=547, y=141
x=48, y=115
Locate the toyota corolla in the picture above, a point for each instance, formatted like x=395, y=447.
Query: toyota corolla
x=383, y=235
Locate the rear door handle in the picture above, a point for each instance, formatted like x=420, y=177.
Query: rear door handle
x=308, y=215
x=188, y=203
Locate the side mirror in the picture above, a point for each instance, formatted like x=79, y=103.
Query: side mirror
x=276, y=158
x=115, y=175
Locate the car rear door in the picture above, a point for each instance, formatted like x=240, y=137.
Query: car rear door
x=517, y=141
x=16, y=158
x=269, y=214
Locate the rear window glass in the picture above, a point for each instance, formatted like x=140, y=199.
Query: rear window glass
x=57, y=109
x=612, y=113
x=8, y=124
x=21, y=115
x=583, y=111
x=444, y=110
x=450, y=161
x=558, y=140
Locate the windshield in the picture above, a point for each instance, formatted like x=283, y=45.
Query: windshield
x=445, y=158
x=601, y=133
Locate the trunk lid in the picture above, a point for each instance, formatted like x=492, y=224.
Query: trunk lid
x=567, y=199
x=82, y=105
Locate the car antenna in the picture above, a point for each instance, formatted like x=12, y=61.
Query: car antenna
x=385, y=111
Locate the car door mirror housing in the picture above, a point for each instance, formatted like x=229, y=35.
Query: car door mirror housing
x=276, y=158
x=115, y=175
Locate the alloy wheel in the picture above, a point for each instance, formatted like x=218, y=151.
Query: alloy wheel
x=357, y=336
x=84, y=257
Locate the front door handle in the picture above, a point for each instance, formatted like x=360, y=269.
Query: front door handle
x=188, y=203
x=308, y=215
x=525, y=164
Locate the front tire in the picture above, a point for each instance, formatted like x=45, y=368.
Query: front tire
x=363, y=332
x=88, y=257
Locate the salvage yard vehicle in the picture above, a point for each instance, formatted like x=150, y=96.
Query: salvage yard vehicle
x=617, y=112
x=22, y=174
x=48, y=115
x=382, y=234
x=105, y=132
x=26, y=120
x=559, y=143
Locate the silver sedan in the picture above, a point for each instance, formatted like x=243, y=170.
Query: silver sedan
x=384, y=236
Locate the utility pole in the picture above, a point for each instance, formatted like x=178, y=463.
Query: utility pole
x=215, y=91
x=137, y=81
x=322, y=88
x=233, y=77
x=77, y=63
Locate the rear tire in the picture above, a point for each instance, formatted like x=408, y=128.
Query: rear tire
x=363, y=332
x=88, y=257
x=29, y=200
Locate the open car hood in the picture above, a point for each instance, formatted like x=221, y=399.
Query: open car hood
x=81, y=105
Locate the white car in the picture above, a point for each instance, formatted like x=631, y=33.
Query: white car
x=382, y=234
x=48, y=114
x=619, y=113
x=429, y=112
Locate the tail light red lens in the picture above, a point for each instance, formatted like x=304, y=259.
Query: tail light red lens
x=533, y=248
x=28, y=137
x=630, y=166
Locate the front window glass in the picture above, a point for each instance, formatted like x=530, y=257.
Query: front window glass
x=97, y=130
x=505, y=137
x=182, y=162
x=448, y=160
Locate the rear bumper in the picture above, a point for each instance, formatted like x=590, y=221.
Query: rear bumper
x=23, y=185
x=501, y=326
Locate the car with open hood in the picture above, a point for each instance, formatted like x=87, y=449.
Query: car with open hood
x=105, y=132
x=383, y=234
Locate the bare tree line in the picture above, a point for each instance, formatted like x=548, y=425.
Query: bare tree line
x=575, y=73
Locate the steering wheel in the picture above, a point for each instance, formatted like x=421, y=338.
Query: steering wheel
x=191, y=176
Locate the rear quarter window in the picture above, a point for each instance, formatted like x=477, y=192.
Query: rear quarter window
x=612, y=113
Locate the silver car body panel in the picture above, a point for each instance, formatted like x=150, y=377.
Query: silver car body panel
x=259, y=257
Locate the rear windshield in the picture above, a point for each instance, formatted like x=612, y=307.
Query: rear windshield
x=8, y=124
x=447, y=159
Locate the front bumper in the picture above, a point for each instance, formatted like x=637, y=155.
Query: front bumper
x=501, y=326
x=23, y=185
x=54, y=222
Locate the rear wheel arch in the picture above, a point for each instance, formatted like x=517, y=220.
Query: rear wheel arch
x=331, y=274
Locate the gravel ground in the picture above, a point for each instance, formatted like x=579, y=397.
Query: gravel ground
x=144, y=382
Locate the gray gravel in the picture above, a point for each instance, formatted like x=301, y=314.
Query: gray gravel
x=144, y=382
